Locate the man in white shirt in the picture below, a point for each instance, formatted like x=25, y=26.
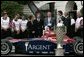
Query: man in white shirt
x=79, y=27
x=23, y=26
x=77, y=24
x=5, y=26
x=16, y=27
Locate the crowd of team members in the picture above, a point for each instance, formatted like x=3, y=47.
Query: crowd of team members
x=20, y=27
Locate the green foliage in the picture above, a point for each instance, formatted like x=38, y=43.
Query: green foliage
x=11, y=7
x=22, y=2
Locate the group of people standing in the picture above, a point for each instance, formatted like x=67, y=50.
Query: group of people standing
x=20, y=27
x=74, y=27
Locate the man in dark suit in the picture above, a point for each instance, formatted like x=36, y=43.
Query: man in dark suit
x=38, y=25
x=49, y=20
x=30, y=27
x=67, y=23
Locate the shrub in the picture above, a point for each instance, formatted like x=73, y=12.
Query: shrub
x=11, y=7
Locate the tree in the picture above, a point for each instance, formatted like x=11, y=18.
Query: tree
x=22, y=2
x=11, y=7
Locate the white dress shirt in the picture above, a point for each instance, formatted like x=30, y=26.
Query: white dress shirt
x=5, y=23
x=24, y=24
x=72, y=21
x=17, y=24
x=77, y=25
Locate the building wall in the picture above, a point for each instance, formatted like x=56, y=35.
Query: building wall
x=27, y=10
x=59, y=5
